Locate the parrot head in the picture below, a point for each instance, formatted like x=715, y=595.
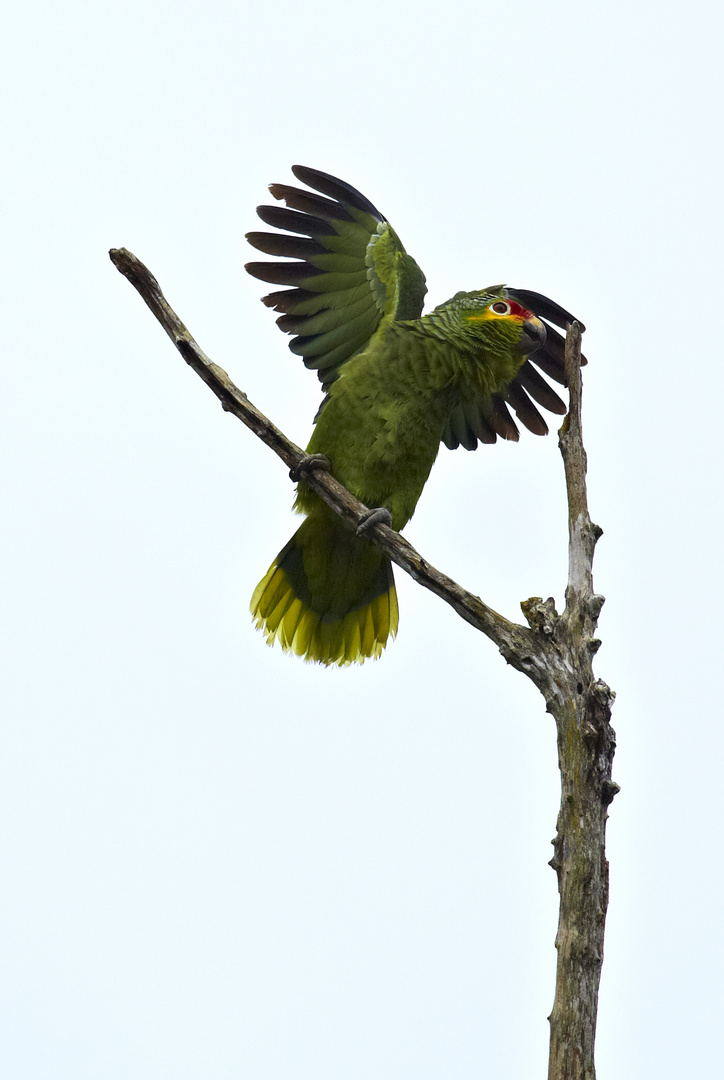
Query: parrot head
x=493, y=318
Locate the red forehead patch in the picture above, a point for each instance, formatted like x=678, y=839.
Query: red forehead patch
x=520, y=311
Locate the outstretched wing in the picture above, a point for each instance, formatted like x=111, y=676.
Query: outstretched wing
x=352, y=272
x=484, y=420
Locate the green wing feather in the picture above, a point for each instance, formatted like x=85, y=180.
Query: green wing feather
x=353, y=271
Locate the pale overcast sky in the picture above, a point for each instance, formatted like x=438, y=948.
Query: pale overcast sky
x=218, y=861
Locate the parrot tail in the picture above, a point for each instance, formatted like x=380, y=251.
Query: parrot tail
x=329, y=595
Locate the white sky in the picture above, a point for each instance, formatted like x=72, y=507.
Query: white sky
x=218, y=861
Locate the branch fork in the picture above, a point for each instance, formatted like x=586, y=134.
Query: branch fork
x=554, y=650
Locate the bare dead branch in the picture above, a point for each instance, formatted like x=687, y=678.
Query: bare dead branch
x=582, y=533
x=554, y=651
x=586, y=745
x=515, y=642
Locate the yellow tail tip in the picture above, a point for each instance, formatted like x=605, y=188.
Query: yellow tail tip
x=360, y=634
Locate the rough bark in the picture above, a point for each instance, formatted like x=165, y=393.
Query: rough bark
x=586, y=745
x=554, y=651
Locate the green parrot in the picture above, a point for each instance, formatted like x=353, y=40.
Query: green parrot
x=397, y=384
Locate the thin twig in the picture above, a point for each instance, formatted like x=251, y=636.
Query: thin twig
x=582, y=533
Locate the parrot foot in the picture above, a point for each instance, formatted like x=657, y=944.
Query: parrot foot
x=309, y=463
x=380, y=516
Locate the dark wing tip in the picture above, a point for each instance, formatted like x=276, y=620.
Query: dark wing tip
x=525, y=410
x=534, y=383
x=281, y=273
x=336, y=189
x=293, y=247
x=503, y=422
x=288, y=299
x=308, y=202
x=545, y=308
x=279, y=217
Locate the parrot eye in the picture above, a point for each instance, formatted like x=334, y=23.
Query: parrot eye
x=500, y=307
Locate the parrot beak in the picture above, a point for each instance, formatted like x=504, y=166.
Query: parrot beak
x=532, y=336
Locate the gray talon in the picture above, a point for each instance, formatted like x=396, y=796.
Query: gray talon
x=308, y=464
x=380, y=516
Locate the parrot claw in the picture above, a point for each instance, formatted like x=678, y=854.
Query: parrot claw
x=380, y=516
x=309, y=463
